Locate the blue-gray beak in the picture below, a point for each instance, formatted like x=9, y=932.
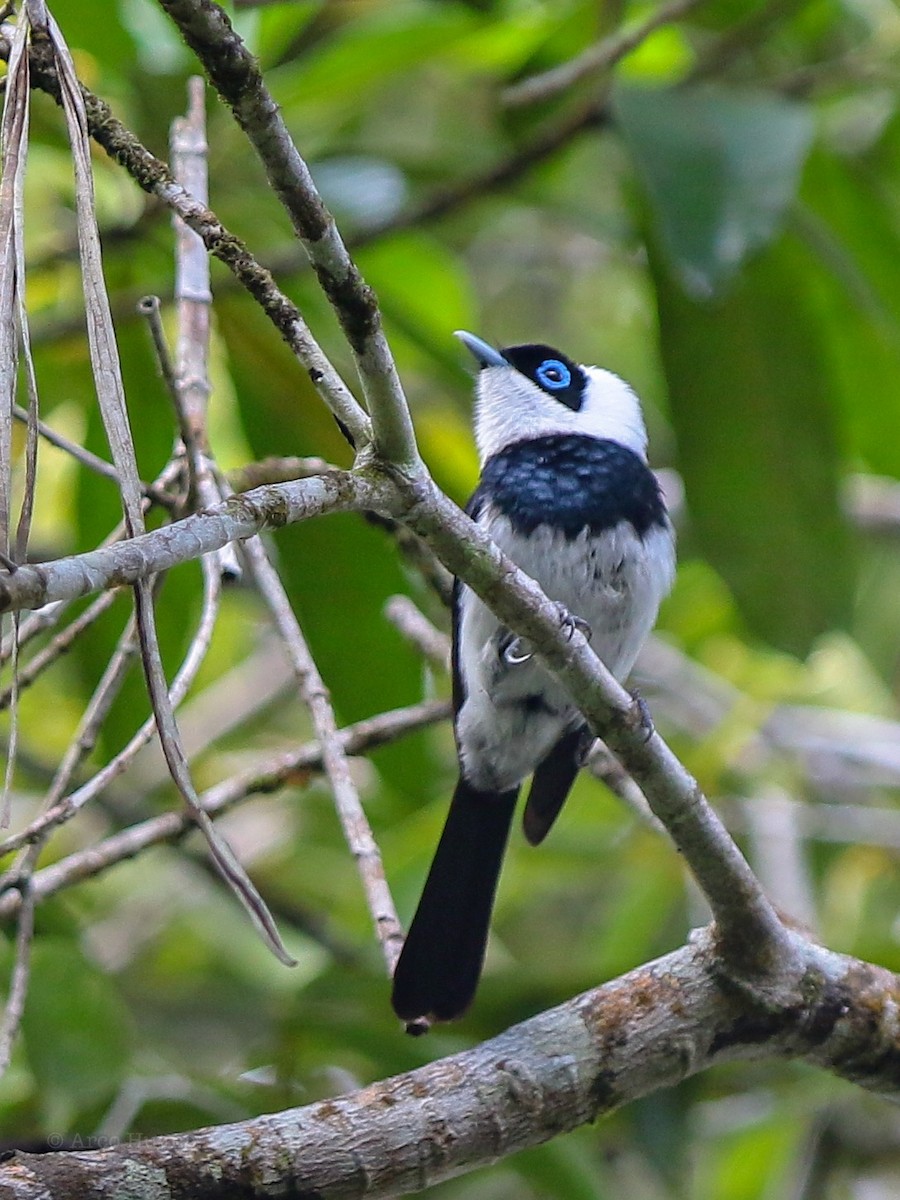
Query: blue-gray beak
x=484, y=355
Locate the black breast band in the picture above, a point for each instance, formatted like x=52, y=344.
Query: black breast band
x=570, y=482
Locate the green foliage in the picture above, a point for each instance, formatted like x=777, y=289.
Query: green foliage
x=726, y=234
x=76, y=1032
x=743, y=153
x=755, y=418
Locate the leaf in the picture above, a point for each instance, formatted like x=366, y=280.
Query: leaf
x=75, y=1029
x=370, y=51
x=424, y=293
x=850, y=224
x=720, y=168
x=756, y=420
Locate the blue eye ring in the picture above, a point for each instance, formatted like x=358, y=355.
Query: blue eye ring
x=553, y=374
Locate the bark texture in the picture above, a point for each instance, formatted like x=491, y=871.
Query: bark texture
x=650, y=1029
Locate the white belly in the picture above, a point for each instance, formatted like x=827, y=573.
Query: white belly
x=513, y=713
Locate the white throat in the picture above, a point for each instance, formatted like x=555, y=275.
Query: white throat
x=510, y=408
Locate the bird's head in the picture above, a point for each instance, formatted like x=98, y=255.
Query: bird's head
x=530, y=391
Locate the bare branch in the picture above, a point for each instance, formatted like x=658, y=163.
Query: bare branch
x=92, y=461
x=57, y=646
x=154, y=177
x=417, y=629
x=111, y=397
x=235, y=74
x=18, y=988
x=193, y=297
x=652, y=1028
x=350, y=811
x=62, y=808
x=288, y=767
x=594, y=60
x=14, y=134
x=753, y=938
x=235, y=519
x=13, y=330
x=149, y=308
x=96, y=712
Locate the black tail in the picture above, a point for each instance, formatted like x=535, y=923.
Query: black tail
x=552, y=782
x=441, y=961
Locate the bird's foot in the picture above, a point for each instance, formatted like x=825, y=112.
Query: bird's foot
x=640, y=715
x=586, y=744
x=570, y=621
x=514, y=650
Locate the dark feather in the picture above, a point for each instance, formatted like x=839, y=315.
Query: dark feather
x=552, y=783
x=441, y=961
x=572, y=482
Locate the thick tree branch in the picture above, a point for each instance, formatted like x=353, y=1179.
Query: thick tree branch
x=652, y=1028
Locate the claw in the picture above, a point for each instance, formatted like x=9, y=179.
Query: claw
x=644, y=720
x=514, y=650
x=571, y=621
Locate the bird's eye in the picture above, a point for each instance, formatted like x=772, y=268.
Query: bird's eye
x=553, y=374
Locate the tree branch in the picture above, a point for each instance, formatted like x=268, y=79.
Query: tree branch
x=235, y=74
x=154, y=176
x=754, y=941
x=355, y=824
x=239, y=517
x=594, y=60
x=275, y=772
x=654, y=1027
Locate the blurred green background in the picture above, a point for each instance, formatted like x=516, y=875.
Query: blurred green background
x=719, y=222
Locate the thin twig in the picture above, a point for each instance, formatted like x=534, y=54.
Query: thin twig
x=193, y=298
x=107, y=375
x=224, y=706
x=50, y=614
x=95, y=713
x=34, y=624
x=352, y=816
x=13, y=334
x=417, y=554
x=92, y=461
x=281, y=770
x=593, y=61
x=235, y=73
x=149, y=308
x=14, y=135
x=154, y=177
x=18, y=988
x=412, y=623
x=68, y=806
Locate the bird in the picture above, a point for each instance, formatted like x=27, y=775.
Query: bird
x=566, y=492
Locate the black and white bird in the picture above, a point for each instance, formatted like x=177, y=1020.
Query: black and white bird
x=566, y=492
